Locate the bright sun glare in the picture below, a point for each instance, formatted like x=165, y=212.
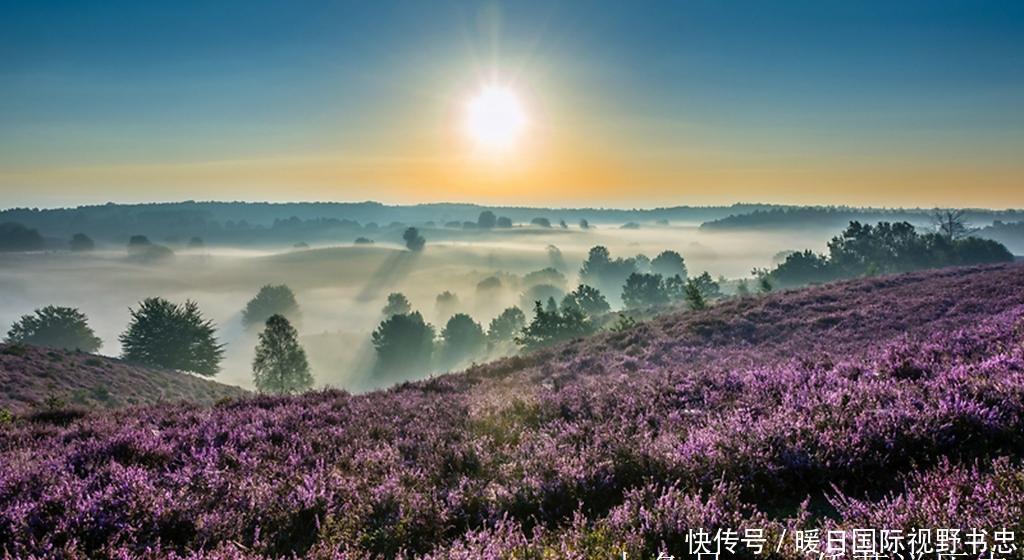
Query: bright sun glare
x=495, y=118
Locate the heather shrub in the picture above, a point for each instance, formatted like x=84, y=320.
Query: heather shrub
x=777, y=420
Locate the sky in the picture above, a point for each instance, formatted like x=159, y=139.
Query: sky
x=628, y=104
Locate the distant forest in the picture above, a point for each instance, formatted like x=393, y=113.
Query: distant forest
x=244, y=223
x=836, y=217
x=287, y=222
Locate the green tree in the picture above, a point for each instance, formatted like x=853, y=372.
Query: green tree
x=694, y=296
x=445, y=305
x=556, y=259
x=541, y=293
x=486, y=220
x=763, y=277
x=404, y=345
x=16, y=237
x=675, y=287
x=280, y=366
x=801, y=268
x=972, y=250
x=55, y=327
x=550, y=327
x=270, y=301
x=644, y=290
x=604, y=273
x=669, y=264
x=463, y=340
x=709, y=289
x=397, y=304
x=549, y=275
x=81, y=242
x=163, y=334
x=587, y=299
x=141, y=248
x=743, y=288
x=506, y=326
x=413, y=240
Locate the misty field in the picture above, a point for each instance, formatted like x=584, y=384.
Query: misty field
x=341, y=288
x=895, y=402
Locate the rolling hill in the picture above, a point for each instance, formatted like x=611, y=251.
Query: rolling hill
x=890, y=403
x=30, y=375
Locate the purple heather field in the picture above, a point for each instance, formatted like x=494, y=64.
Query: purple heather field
x=891, y=402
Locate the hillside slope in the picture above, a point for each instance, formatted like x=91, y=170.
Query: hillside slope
x=29, y=375
x=889, y=403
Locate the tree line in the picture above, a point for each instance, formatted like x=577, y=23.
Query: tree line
x=889, y=248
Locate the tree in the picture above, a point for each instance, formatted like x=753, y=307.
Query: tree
x=16, y=237
x=141, y=248
x=644, y=290
x=504, y=327
x=643, y=263
x=446, y=304
x=669, y=264
x=270, y=301
x=363, y=241
x=551, y=306
x=504, y=222
x=801, y=268
x=541, y=293
x=81, y=242
x=549, y=275
x=694, y=297
x=764, y=283
x=742, y=288
x=542, y=222
x=550, y=327
x=587, y=299
x=675, y=287
x=950, y=223
x=463, y=340
x=556, y=259
x=172, y=336
x=404, y=345
x=486, y=220
x=488, y=286
x=584, y=224
x=280, y=366
x=605, y=273
x=709, y=289
x=397, y=304
x=972, y=250
x=55, y=327
x=562, y=224
x=413, y=240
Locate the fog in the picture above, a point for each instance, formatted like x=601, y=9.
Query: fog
x=341, y=288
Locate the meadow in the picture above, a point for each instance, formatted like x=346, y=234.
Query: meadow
x=894, y=403
x=341, y=287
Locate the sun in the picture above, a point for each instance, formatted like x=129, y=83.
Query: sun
x=495, y=119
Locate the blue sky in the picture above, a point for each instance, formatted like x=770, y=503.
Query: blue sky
x=691, y=101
